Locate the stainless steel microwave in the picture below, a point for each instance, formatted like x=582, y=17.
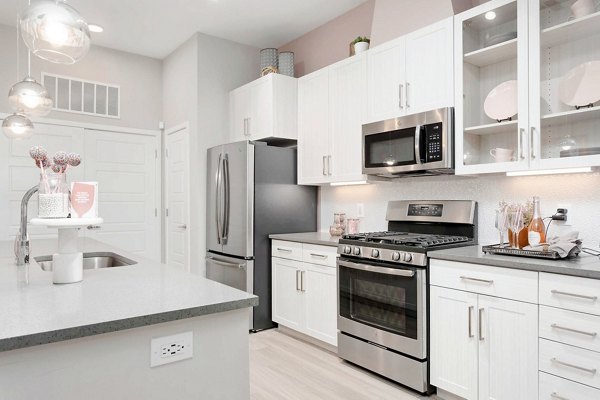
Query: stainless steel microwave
x=414, y=145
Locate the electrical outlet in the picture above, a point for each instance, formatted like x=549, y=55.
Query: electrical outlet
x=360, y=210
x=569, y=221
x=169, y=349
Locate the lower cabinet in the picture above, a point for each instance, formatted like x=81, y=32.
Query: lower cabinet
x=305, y=298
x=483, y=347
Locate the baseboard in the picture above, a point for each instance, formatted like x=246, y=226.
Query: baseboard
x=306, y=338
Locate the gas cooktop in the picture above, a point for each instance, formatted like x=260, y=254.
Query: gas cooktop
x=406, y=238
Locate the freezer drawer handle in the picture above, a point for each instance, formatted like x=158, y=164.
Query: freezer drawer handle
x=581, y=296
x=225, y=264
x=563, y=328
x=588, y=370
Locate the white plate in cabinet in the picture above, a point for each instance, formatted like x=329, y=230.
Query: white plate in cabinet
x=289, y=250
x=508, y=283
x=555, y=388
x=322, y=255
x=570, y=293
x=570, y=362
x=570, y=327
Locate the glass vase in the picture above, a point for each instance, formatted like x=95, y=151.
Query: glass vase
x=53, y=195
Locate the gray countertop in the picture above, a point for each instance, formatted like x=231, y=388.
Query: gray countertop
x=34, y=311
x=322, y=238
x=586, y=266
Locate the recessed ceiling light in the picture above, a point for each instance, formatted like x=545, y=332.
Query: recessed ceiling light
x=95, y=28
x=490, y=15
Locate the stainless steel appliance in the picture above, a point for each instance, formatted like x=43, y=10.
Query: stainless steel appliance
x=418, y=144
x=382, y=287
x=252, y=193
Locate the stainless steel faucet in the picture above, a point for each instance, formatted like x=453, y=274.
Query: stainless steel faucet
x=22, y=239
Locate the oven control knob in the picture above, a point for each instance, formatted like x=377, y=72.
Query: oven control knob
x=357, y=251
x=396, y=256
x=375, y=253
x=407, y=257
x=347, y=249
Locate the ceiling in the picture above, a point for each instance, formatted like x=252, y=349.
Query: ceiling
x=155, y=28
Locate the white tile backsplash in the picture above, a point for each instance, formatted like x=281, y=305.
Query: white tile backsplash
x=580, y=193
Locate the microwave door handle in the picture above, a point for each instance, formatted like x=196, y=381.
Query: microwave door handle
x=418, y=157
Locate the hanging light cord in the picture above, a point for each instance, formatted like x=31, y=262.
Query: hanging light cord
x=18, y=66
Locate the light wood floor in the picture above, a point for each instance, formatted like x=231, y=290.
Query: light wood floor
x=285, y=368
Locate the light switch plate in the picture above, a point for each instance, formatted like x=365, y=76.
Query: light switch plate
x=169, y=349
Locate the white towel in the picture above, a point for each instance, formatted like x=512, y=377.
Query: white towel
x=564, y=245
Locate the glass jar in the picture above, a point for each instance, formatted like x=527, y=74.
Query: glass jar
x=53, y=195
x=340, y=219
x=353, y=226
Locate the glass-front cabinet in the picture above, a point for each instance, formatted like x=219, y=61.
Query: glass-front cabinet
x=527, y=78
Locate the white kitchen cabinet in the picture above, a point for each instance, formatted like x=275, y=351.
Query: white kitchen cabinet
x=411, y=74
x=545, y=133
x=482, y=347
x=264, y=108
x=305, y=293
x=331, y=105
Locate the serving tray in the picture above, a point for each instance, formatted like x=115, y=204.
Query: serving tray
x=549, y=255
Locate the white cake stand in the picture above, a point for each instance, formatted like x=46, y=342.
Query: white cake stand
x=67, y=263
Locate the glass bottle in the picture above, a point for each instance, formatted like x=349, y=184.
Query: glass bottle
x=536, y=230
x=53, y=195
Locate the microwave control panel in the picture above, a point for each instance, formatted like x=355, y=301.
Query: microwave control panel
x=433, y=141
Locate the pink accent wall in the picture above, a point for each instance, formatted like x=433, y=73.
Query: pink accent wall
x=329, y=43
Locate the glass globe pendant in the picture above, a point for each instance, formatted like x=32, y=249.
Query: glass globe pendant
x=17, y=126
x=30, y=97
x=55, y=31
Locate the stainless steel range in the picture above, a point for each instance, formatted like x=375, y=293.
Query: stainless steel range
x=383, y=298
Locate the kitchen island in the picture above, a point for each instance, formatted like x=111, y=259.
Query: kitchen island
x=92, y=339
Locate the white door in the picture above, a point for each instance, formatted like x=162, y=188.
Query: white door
x=347, y=93
x=454, y=337
x=239, y=108
x=177, y=196
x=319, y=288
x=508, y=349
x=313, y=128
x=18, y=174
x=430, y=67
x=286, y=297
x=386, y=81
x=127, y=170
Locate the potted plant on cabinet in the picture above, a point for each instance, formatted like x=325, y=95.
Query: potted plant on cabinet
x=361, y=44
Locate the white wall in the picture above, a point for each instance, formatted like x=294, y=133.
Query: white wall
x=579, y=192
x=139, y=78
x=197, y=79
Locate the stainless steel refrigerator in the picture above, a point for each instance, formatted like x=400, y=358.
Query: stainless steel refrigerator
x=252, y=193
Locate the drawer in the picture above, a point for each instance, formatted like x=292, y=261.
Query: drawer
x=570, y=327
x=570, y=293
x=555, y=388
x=321, y=255
x=508, y=283
x=570, y=362
x=289, y=250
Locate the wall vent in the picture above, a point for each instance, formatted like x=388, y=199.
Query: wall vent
x=83, y=97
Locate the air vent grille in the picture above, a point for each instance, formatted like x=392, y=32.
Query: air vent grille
x=83, y=97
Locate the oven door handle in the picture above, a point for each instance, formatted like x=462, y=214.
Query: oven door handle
x=381, y=270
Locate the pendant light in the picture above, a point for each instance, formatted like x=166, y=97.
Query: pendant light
x=17, y=126
x=30, y=97
x=55, y=31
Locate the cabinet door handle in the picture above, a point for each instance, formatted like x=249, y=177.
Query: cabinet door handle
x=466, y=278
x=579, y=296
x=556, y=396
x=400, y=103
x=302, y=275
x=564, y=364
x=521, y=144
x=324, y=168
x=245, y=126
x=298, y=287
x=532, y=144
x=470, y=310
x=329, y=165
x=481, y=338
x=249, y=129
x=563, y=328
x=407, y=92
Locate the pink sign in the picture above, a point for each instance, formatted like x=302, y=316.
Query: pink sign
x=82, y=198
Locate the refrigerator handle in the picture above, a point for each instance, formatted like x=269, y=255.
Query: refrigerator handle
x=227, y=196
x=218, y=198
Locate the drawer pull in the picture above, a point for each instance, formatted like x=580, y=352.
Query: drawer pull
x=318, y=255
x=284, y=250
x=562, y=328
x=588, y=370
x=580, y=296
x=556, y=396
x=466, y=278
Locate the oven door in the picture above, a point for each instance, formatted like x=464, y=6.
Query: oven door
x=384, y=304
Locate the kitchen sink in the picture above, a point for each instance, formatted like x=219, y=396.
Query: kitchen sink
x=91, y=261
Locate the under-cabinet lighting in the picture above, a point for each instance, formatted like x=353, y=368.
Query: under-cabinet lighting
x=352, y=183
x=490, y=15
x=551, y=171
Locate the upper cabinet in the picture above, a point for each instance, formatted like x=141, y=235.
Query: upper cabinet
x=524, y=70
x=331, y=104
x=411, y=74
x=264, y=108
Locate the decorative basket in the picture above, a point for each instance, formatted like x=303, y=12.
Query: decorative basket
x=269, y=59
x=286, y=63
